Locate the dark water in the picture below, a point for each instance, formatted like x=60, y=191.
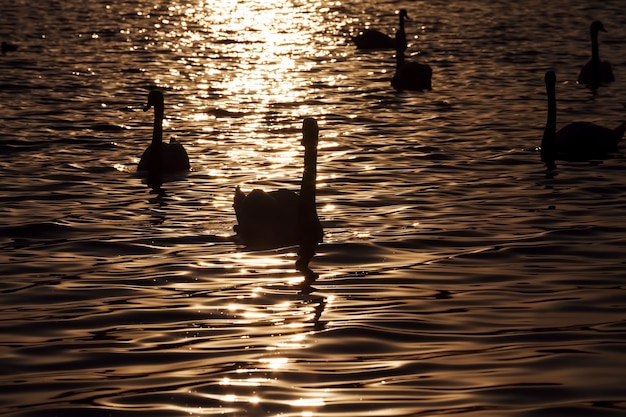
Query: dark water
x=456, y=277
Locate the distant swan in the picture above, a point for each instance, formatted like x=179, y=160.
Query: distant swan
x=596, y=71
x=161, y=157
x=577, y=141
x=282, y=217
x=410, y=75
x=8, y=47
x=374, y=39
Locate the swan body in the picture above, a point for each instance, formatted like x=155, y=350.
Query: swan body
x=410, y=75
x=161, y=157
x=596, y=71
x=375, y=39
x=282, y=217
x=577, y=141
x=585, y=140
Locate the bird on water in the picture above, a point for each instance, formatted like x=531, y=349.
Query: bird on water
x=283, y=217
x=596, y=71
x=161, y=158
x=8, y=47
x=578, y=141
x=375, y=39
x=410, y=75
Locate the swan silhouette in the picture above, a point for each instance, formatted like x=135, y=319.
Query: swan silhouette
x=159, y=157
x=596, y=71
x=375, y=39
x=8, y=47
x=579, y=141
x=410, y=75
x=282, y=217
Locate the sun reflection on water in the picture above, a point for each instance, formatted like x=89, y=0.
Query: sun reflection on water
x=252, y=61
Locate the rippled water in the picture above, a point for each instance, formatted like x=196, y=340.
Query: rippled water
x=456, y=276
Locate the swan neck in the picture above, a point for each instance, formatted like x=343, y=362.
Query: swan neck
x=595, y=49
x=399, y=57
x=550, y=130
x=309, y=178
x=157, y=132
x=548, y=141
x=400, y=47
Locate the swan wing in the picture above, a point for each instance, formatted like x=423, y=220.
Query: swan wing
x=585, y=140
x=413, y=76
x=176, y=158
x=600, y=73
x=266, y=220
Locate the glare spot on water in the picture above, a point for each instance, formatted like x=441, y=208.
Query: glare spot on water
x=274, y=363
x=309, y=402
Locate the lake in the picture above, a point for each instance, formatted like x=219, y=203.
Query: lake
x=458, y=276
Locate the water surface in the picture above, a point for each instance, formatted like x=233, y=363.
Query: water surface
x=456, y=277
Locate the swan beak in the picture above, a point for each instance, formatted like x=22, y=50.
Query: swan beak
x=149, y=104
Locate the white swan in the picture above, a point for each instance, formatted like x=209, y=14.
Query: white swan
x=161, y=157
x=579, y=141
x=375, y=39
x=596, y=71
x=283, y=218
x=410, y=75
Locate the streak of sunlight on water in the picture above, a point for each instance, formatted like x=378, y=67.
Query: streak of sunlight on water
x=455, y=276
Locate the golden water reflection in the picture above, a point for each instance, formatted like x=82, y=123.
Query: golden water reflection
x=249, y=63
x=254, y=52
x=281, y=322
x=247, y=59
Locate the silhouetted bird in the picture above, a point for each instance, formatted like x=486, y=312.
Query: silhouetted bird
x=579, y=141
x=282, y=217
x=596, y=71
x=375, y=39
x=8, y=47
x=410, y=75
x=159, y=157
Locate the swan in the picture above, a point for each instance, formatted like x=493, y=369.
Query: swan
x=410, y=75
x=8, y=47
x=283, y=217
x=374, y=39
x=596, y=71
x=577, y=141
x=161, y=157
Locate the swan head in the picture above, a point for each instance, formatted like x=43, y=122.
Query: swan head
x=597, y=26
x=155, y=98
x=550, y=78
x=310, y=133
x=403, y=14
